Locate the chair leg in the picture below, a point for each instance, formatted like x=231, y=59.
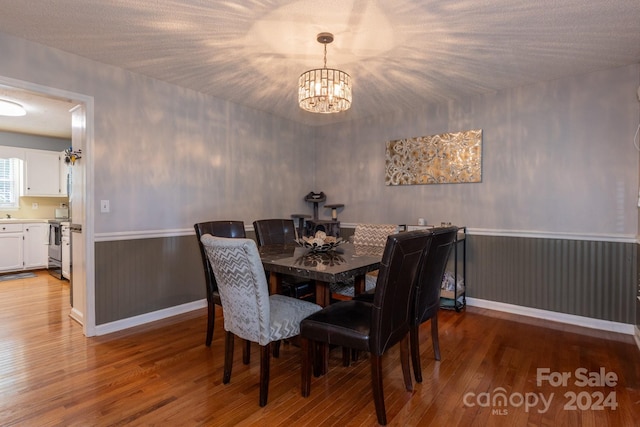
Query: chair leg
x=265, y=359
x=320, y=359
x=346, y=356
x=276, y=349
x=404, y=360
x=228, y=357
x=211, y=317
x=246, y=352
x=415, y=352
x=305, y=377
x=376, y=384
x=434, y=336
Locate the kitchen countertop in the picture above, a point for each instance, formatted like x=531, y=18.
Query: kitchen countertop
x=23, y=220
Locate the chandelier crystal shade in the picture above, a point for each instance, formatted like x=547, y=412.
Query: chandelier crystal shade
x=324, y=90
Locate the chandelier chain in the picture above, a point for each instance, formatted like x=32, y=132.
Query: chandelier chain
x=325, y=55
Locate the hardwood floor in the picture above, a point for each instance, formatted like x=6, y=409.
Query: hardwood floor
x=163, y=374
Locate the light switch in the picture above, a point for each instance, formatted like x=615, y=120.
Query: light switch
x=104, y=206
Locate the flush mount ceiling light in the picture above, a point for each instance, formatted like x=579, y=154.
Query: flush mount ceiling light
x=324, y=90
x=12, y=109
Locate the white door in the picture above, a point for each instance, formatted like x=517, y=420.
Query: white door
x=78, y=217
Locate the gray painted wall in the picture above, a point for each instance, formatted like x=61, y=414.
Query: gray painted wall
x=557, y=157
x=591, y=279
x=145, y=275
x=167, y=157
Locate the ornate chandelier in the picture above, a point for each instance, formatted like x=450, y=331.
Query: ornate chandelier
x=324, y=90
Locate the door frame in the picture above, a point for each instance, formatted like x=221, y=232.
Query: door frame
x=86, y=163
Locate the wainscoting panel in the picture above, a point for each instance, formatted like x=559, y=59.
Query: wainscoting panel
x=139, y=276
x=595, y=279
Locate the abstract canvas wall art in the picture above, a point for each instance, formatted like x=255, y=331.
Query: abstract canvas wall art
x=436, y=159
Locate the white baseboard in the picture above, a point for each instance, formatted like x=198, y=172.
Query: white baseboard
x=570, y=319
x=130, y=322
x=77, y=316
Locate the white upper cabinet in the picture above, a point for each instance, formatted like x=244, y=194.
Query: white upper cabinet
x=64, y=172
x=42, y=172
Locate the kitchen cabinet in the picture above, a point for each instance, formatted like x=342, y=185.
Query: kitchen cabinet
x=23, y=245
x=11, y=244
x=35, y=245
x=42, y=174
x=63, y=168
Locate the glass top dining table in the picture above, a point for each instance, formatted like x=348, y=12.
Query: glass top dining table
x=338, y=265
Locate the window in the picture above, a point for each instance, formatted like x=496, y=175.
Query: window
x=10, y=183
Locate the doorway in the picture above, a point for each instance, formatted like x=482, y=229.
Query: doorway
x=81, y=115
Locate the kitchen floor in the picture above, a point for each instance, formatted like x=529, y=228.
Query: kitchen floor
x=39, y=293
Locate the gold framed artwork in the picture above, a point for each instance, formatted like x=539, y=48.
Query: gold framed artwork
x=437, y=159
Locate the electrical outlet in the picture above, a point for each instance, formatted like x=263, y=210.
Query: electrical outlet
x=34, y=206
x=104, y=206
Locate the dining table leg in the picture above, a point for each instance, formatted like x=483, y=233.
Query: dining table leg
x=323, y=293
x=359, y=284
x=275, y=283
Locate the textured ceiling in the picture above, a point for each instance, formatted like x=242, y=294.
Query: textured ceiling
x=400, y=53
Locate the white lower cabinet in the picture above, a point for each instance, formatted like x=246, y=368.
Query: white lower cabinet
x=11, y=246
x=35, y=245
x=24, y=246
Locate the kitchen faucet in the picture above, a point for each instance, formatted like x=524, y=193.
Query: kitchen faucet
x=8, y=216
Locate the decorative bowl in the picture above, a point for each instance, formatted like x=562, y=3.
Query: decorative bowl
x=316, y=244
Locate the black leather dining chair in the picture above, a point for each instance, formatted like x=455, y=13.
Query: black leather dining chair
x=279, y=232
x=427, y=305
x=372, y=327
x=232, y=229
x=274, y=231
x=427, y=294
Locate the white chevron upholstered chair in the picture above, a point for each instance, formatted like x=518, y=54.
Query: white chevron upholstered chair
x=366, y=236
x=248, y=310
